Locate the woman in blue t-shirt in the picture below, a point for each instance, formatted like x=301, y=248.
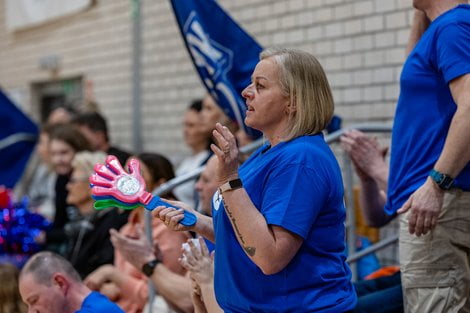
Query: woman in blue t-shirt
x=278, y=220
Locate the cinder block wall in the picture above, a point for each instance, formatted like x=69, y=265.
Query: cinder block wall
x=94, y=44
x=361, y=45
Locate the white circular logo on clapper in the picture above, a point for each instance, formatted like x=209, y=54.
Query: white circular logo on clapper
x=128, y=185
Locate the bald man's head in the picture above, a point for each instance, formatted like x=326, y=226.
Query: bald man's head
x=49, y=284
x=44, y=265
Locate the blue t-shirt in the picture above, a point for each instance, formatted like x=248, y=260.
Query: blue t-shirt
x=425, y=107
x=95, y=302
x=296, y=185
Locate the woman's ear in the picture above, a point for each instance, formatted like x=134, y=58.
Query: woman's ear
x=291, y=107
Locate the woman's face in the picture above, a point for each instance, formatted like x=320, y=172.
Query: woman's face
x=193, y=130
x=267, y=105
x=79, y=189
x=211, y=113
x=61, y=154
x=43, y=147
x=147, y=176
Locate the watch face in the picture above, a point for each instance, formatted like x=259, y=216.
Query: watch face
x=446, y=182
x=443, y=181
x=148, y=270
x=149, y=267
x=236, y=183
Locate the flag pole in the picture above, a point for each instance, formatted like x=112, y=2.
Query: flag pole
x=136, y=6
x=136, y=75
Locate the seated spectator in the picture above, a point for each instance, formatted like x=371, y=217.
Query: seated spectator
x=94, y=127
x=206, y=186
x=41, y=188
x=212, y=114
x=198, y=139
x=49, y=283
x=174, y=288
x=42, y=194
x=89, y=243
x=61, y=115
x=65, y=142
x=369, y=163
x=379, y=295
x=384, y=294
x=130, y=282
x=10, y=298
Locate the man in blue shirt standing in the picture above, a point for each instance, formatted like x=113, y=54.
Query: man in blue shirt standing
x=49, y=283
x=429, y=179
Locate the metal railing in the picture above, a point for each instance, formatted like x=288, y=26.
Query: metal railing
x=348, y=192
x=171, y=184
x=348, y=185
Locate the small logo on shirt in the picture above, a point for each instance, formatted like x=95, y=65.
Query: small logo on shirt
x=217, y=200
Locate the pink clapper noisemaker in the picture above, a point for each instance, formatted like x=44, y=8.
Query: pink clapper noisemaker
x=112, y=184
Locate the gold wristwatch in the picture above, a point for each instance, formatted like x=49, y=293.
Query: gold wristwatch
x=231, y=185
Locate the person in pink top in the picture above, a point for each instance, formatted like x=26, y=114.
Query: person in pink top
x=122, y=282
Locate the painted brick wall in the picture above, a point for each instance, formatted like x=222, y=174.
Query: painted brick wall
x=360, y=44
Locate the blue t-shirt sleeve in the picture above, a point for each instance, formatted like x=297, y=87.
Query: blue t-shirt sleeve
x=96, y=302
x=453, y=50
x=292, y=198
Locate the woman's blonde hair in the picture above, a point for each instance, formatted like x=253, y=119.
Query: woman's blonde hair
x=86, y=160
x=304, y=81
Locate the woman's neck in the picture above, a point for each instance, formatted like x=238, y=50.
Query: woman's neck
x=86, y=207
x=276, y=136
x=199, y=148
x=274, y=140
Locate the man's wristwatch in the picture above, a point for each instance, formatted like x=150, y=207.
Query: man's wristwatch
x=231, y=185
x=444, y=181
x=149, y=267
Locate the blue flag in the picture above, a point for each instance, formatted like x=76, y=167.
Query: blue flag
x=223, y=53
x=18, y=135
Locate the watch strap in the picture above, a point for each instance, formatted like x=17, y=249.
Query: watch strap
x=444, y=181
x=149, y=267
x=231, y=185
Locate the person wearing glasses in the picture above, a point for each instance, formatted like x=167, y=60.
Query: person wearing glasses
x=89, y=244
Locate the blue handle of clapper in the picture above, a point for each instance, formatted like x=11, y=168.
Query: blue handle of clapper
x=189, y=218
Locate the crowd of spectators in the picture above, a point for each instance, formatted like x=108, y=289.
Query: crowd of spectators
x=269, y=235
x=70, y=144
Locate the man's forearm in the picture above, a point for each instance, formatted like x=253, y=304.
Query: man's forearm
x=380, y=177
x=456, y=153
x=173, y=287
x=372, y=199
